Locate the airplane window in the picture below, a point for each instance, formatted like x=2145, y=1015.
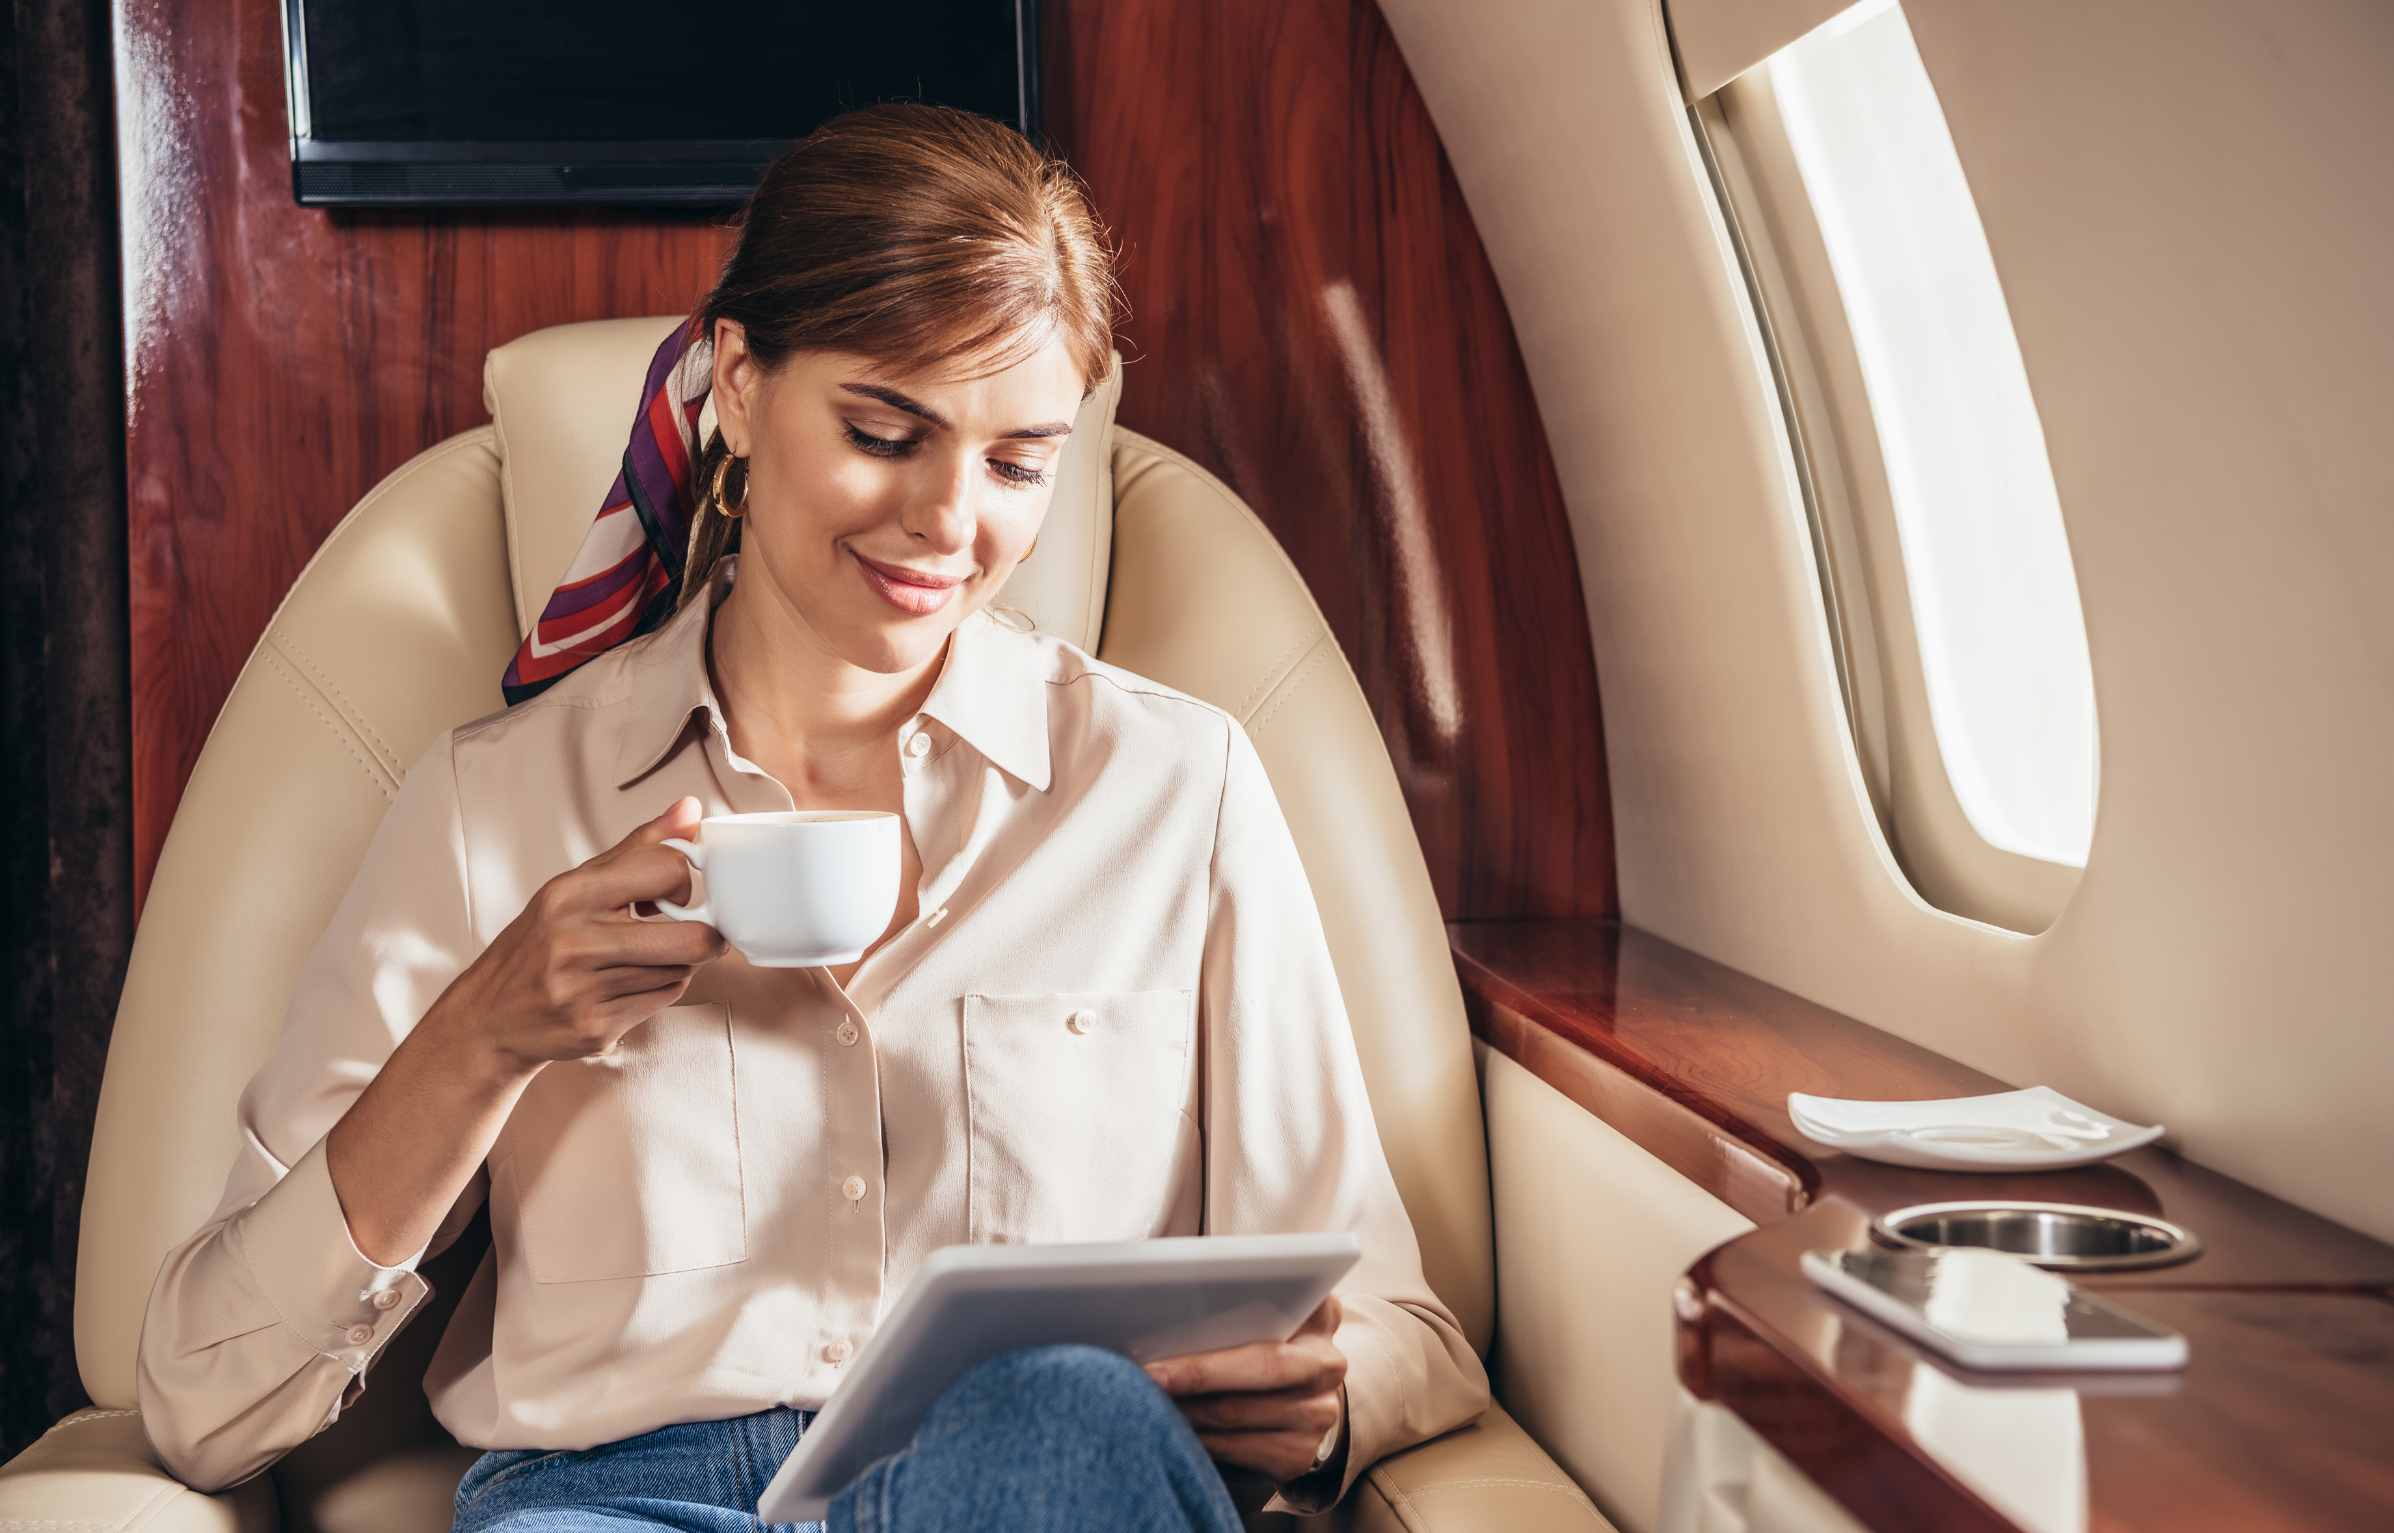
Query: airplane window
x=1922, y=451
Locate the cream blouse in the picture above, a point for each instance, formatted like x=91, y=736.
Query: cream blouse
x=1115, y=1017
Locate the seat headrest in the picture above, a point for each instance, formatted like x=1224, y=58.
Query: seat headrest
x=562, y=401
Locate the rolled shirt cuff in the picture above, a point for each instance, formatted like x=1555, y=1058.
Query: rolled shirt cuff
x=296, y=1243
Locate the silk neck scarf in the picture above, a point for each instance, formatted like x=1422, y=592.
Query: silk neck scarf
x=626, y=578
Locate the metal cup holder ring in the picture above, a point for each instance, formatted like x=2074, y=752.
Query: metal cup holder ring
x=2070, y=1236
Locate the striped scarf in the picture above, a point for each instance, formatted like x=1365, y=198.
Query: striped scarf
x=626, y=578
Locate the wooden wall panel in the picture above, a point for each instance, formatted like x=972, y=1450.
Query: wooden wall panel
x=280, y=359
x=1313, y=318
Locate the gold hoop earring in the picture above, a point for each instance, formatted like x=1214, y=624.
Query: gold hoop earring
x=723, y=465
x=1026, y=553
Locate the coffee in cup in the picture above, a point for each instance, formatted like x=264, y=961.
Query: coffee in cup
x=794, y=888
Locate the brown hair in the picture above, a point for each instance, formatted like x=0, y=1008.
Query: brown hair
x=915, y=235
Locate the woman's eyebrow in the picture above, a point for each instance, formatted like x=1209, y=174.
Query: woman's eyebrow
x=898, y=401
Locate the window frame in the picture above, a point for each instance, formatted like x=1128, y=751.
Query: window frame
x=1840, y=464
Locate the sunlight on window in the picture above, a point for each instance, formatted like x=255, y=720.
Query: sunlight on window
x=1995, y=600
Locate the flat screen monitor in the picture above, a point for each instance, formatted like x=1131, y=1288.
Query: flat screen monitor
x=443, y=102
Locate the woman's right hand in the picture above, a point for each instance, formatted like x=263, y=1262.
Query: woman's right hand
x=575, y=971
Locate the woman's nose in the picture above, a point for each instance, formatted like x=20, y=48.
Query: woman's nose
x=943, y=518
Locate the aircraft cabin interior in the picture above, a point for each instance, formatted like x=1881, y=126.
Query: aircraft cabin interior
x=1614, y=766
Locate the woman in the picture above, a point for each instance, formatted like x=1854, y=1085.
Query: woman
x=1103, y=1009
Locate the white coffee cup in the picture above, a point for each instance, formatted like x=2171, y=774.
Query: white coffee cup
x=794, y=888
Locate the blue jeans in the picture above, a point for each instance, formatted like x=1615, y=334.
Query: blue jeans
x=1057, y=1437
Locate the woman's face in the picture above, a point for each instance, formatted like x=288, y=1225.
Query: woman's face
x=882, y=509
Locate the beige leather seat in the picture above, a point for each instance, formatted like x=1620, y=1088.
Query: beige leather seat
x=400, y=626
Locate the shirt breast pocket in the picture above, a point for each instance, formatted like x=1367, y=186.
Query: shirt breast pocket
x=627, y=1165
x=1078, y=1121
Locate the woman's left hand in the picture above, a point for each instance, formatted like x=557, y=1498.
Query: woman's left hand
x=1266, y=1405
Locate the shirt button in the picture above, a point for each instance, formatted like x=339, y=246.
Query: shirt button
x=836, y=1352
x=386, y=1298
x=854, y=1187
x=359, y=1335
x=918, y=745
x=847, y=1032
x=1080, y=1021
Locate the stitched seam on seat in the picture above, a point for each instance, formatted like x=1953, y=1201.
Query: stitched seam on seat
x=1394, y=1495
x=1275, y=673
x=1286, y=690
x=147, y=1512
x=1406, y=1507
x=1517, y=1481
x=96, y=1413
x=347, y=737
x=350, y=711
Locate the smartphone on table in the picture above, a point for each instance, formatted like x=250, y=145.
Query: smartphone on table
x=1989, y=1309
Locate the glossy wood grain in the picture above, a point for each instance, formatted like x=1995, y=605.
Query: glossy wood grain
x=1314, y=319
x=2280, y=1421
x=280, y=359
x=1695, y=1061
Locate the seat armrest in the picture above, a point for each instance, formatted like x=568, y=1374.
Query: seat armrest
x=94, y=1473
x=1488, y=1477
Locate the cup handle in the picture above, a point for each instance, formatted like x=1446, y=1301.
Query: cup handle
x=704, y=910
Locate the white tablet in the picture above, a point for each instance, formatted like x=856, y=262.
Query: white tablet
x=1147, y=1298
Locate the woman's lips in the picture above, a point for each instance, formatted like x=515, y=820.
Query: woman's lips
x=904, y=595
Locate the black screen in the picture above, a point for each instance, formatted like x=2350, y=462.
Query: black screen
x=614, y=86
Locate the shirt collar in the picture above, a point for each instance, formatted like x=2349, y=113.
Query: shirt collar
x=991, y=691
